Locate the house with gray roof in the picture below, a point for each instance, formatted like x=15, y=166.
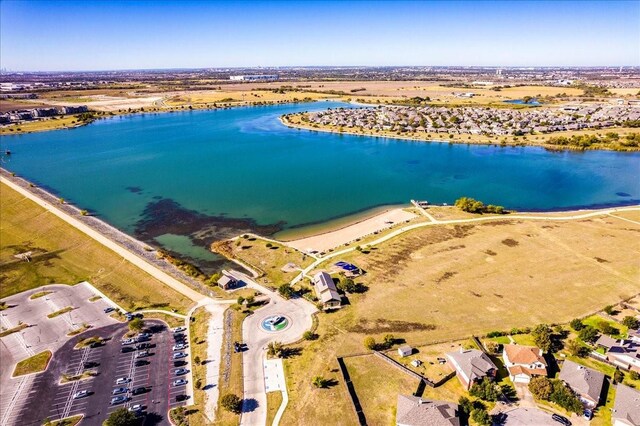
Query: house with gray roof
x=585, y=382
x=415, y=411
x=626, y=408
x=326, y=291
x=471, y=366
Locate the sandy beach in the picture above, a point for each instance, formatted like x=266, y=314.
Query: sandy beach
x=332, y=239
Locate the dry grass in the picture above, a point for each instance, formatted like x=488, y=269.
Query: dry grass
x=65, y=122
x=34, y=364
x=467, y=280
x=265, y=257
x=198, y=345
x=62, y=254
x=238, y=96
x=231, y=381
x=274, y=399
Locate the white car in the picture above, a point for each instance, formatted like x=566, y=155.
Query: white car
x=122, y=380
x=128, y=341
x=80, y=394
x=179, y=329
x=142, y=354
x=137, y=407
x=178, y=355
x=179, y=347
x=179, y=382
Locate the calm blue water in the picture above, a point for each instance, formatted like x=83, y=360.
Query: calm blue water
x=522, y=102
x=243, y=163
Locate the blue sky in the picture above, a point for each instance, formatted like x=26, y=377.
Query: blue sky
x=102, y=35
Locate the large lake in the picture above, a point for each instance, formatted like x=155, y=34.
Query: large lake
x=183, y=179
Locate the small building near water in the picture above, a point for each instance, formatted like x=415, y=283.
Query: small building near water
x=326, y=291
x=227, y=281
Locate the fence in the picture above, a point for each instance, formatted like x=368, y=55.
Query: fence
x=352, y=392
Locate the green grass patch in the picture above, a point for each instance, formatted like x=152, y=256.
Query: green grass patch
x=88, y=342
x=60, y=312
x=66, y=378
x=82, y=328
x=39, y=294
x=597, y=322
x=13, y=330
x=95, y=298
x=34, y=364
x=524, y=339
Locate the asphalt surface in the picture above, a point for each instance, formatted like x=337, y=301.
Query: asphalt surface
x=49, y=399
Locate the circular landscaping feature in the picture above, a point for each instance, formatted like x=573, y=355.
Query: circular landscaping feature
x=275, y=323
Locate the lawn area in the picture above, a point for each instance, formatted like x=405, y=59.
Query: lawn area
x=523, y=339
x=65, y=122
x=596, y=320
x=13, y=330
x=450, y=282
x=60, y=312
x=62, y=254
x=39, y=294
x=69, y=421
x=34, y=364
x=169, y=319
x=266, y=257
x=377, y=385
x=199, y=325
x=274, y=399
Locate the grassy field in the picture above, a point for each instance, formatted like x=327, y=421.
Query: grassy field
x=34, y=364
x=239, y=96
x=62, y=254
x=449, y=282
x=198, y=345
x=265, y=257
x=231, y=381
x=65, y=122
x=274, y=399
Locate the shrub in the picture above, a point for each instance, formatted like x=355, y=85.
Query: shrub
x=309, y=335
x=481, y=417
x=320, y=382
x=634, y=375
x=121, y=417
x=285, y=291
x=231, y=402
x=609, y=310
x=486, y=390
x=370, y=343
x=618, y=377
x=588, y=334
x=136, y=324
x=575, y=348
x=576, y=324
x=630, y=322
x=565, y=398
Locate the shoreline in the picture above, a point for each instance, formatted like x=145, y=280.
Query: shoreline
x=457, y=141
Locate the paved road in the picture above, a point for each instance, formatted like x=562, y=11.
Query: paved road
x=299, y=312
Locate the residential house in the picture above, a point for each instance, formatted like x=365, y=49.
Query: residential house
x=626, y=408
x=415, y=411
x=471, y=366
x=227, y=281
x=326, y=291
x=405, y=350
x=523, y=362
x=625, y=354
x=585, y=382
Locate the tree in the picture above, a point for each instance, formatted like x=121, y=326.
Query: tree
x=486, y=390
x=136, y=324
x=466, y=405
x=576, y=324
x=588, y=334
x=231, y=402
x=634, y=375
x=389, y=340
x=370, y=343
x=348, y=285
x=492, y=347
x=196, y=359
x=575, y=348
x=609, y=310
x=542, y=337
x=285, y=291
x=618, y=376
x=250, y=300
x=121, y=417
x=309, y=335
x=481, y=417
x=565, y=398
x=630, y=322
x=540, y=387
x=320, y=382
x=606, y=327
x=274, y=349
x=240, y=300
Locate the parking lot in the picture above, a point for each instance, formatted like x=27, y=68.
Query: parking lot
x=147, y=367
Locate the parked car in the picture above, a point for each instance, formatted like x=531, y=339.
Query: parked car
x=122, y=380
x=118, y=391
x=80, y=394
x=179, y=336
x=179, y=355
x=179, y=363
x=90, y=364
x=109, y=309
x=588, y=414
x=179, y=329
x=144, y=335
x=181, y=371
x=137, y=407
x=142, y=354
x=118, y=400
x=179, y=382
x=561, y=419
x=141, y=362
x=140, y=346
x=127, y=349
x=139, y=391
x=179, y=347
x=180, y=398
x=128, y=341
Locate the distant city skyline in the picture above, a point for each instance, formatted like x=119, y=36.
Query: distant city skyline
x=97, y=35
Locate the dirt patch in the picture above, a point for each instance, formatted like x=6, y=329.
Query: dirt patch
x=509, y=242
x=445, y=277
x=490, y=252
x=382, y=325
x=601, y=260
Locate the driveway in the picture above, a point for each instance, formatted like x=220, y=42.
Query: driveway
x=299, y=314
